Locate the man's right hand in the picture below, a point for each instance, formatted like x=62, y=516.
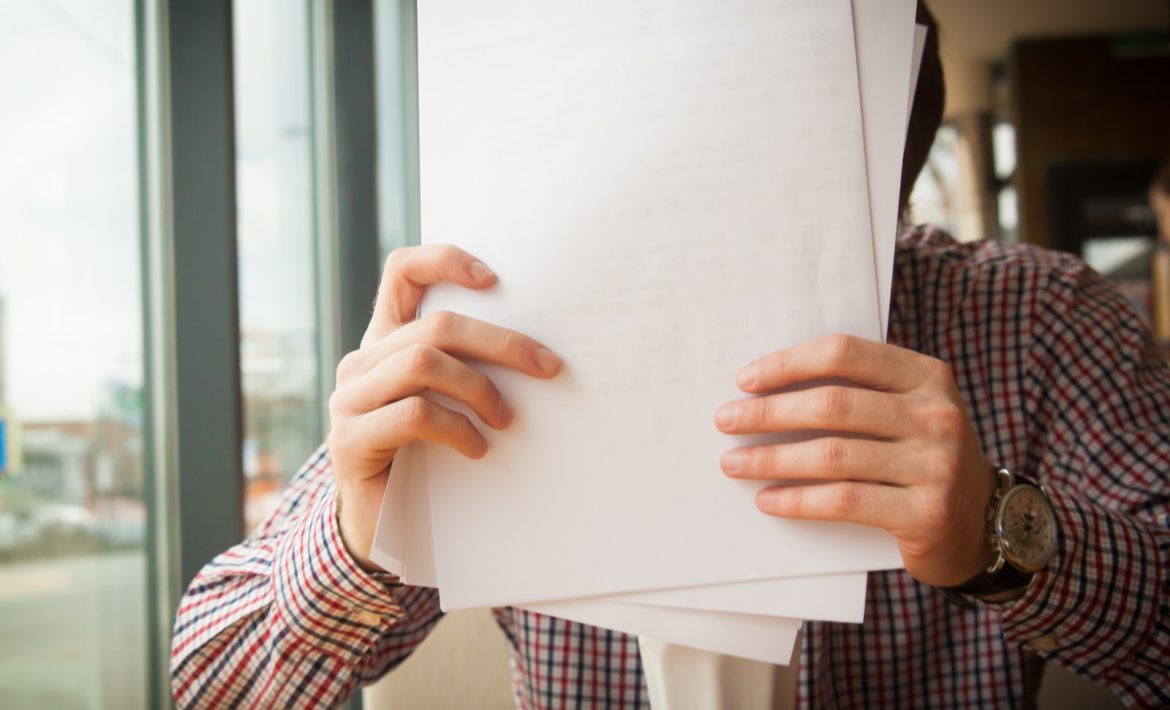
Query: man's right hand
x=378, y=405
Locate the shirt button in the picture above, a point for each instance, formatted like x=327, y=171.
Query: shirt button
x=1043, y=644
x=368, y=618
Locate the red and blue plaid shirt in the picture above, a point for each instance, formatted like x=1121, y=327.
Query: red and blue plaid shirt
x=1063, y=384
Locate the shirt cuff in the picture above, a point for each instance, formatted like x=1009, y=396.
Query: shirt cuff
x=1096, y=603
x=321, y=592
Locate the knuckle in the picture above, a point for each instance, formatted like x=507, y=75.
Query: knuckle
x=778, y=362
x=348, y=365
x=834, y=403
x=511, y=341
x=935, y=512
x=840, y=347
x=414, y=411
x=945, y=421
x=441, y=323
x=395, y=260
x=834, y=453
x=336, y=405
x=941, y=370
x=487, y=389
x=449, y=252
x=341, y=435
x=422, y=358
x=945, y=464
x=846, y=499
x=763, y=411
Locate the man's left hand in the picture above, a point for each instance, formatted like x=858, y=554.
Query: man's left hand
x=895, y=448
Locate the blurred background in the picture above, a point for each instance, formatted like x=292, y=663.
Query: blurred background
x=195, y=200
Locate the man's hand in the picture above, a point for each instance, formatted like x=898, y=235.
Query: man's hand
x=377, y=405
x=897, y=449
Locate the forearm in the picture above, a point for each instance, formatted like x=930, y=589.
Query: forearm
x=1098, y=608
x=291, y=622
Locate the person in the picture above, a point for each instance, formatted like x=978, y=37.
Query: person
x=1007, y=366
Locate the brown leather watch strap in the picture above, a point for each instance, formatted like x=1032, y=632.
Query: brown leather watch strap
x=993, y=584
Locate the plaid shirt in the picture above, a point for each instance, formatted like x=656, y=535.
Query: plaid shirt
x=1063, y=384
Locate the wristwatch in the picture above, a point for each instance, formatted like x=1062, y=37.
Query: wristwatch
x=1021, y=530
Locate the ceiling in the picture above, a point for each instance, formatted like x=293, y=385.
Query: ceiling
x=983, y=30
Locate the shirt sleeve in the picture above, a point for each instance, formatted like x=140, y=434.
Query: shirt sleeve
x=1099, y=400
x=287, y=618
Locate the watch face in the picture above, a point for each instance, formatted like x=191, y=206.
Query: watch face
x=1027, y=528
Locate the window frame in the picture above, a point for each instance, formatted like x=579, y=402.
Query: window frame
x=187, y=177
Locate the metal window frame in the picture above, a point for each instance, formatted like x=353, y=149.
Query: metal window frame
x=187, y=162
x=398, y=120
x=345, y=169
x=190, y=301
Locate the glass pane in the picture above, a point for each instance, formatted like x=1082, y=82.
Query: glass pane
x=73, y=616
x=935, y=196
x=1003, y=148
x=278, y=331
x=396, y=98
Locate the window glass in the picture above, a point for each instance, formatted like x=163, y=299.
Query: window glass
x=73, y=617
x=935, y=197
x=278, y=331
x=394, y=56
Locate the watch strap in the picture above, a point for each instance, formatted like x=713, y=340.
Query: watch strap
x=989, y=584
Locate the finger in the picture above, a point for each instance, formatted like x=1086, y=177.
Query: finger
x=467, y=337
x=869, y=504
x=825, y=458
x=384, y=430
x=858, y=360
x=408, y=271
x=830, y=408
x=418, y=368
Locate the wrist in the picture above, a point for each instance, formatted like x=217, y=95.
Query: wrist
x=357, y=541
x=1021, y=537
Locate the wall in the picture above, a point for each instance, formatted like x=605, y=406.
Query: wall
x=1082, y=100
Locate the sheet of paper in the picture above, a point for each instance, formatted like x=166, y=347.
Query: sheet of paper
x=766, y=638
x=759, y=638
x=832, y=597
x=839, y=597
x=885, y=48
x=651, y=218
x=397, y=522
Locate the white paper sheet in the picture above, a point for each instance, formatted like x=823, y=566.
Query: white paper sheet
x=831, y=597
x=760, y=638
x=768, y=638
x=840, y=597
x=885, y=50
x=725, y=270
x=410, y=555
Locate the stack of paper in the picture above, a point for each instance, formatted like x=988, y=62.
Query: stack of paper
x=668, y=190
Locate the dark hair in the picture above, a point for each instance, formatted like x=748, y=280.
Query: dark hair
x=927, y=113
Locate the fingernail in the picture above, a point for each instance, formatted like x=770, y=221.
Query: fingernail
x=480, y=271
x=746, y=377
x=731, y=461
x=547, y=360
x=505, y=413
x=726, y=415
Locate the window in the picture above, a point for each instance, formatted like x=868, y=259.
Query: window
x=73, y=579
x=397, y=97
x=935, y=198
x=275, y=229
